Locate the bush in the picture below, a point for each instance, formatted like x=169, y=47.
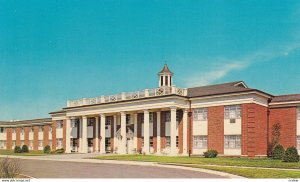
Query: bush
x=291, y=155
x=10, y=168
x=278, y=152
x=17, y=149
x=25, y=149
x=211, y=154
x=58, y=151
x=47, y=149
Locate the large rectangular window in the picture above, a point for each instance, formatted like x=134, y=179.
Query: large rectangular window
x=30, y=144
x=74, y=123
x=59, y=143
x=108, y=120
x=168, y=117
x=90, y=121
x=232, y=141
x=128, y=119
x=2, y=144
x=40, y=143
x=41, y=128
x=200, y=142
x=200, y=114
x=59, y=124
x=232, y=112
x=168, y=141
x=151, y=117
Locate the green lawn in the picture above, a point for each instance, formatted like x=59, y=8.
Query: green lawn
x=31, y=153
x=201, y=162
x=225, y=161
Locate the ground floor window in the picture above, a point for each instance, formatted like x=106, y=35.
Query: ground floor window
x=30, y=145
x=40, y=143
x=142, y=141
x=90, y=142
x=151, y=141
x=107, y=144
x=22, y=143
x=59, y=143
x=200, y=142
x=14, y=143
x=168, y=141
x=232, y=141
x=2, y=144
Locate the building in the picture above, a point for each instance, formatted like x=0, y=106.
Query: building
x=230, y=118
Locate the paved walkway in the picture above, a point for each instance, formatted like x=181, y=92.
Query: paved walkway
x=78, y=166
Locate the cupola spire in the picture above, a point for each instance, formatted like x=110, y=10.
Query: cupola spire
x=165, y=77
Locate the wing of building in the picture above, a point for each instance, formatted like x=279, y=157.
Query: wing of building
x=230, y=118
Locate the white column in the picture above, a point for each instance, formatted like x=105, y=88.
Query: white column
x=184, y=120
x=68, y=135
x=146, y=132
x=173, y=131
x=80, y=134
x=96, y=135
x=115, y=132
x=102, y=134
x=84, y=146
x=123, y=133
x=135, y=130
x=158, y=150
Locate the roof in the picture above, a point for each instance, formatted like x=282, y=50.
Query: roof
x=165, y=70
x=43, y=120
x=225, y=88
x=286, y=98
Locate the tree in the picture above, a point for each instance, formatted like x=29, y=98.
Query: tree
x=275, y=138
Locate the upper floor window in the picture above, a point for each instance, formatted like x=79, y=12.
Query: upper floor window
x=14, y=130
x=2, y=130
x=128, y=119
x=168, y=117
x=41, y=128
x=151, y=117
x=200, y=114
x=50, y=128
x=142, y=118
x=59, y=124
x=31, y=129
x=22, y=130
x=74, y=124
x=232, y=112
x=298, y=113
x=108, y=120
x=90, y=121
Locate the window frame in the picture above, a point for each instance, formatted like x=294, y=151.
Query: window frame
x=200, y=114
x=200, y=142
x=232, y=141
x=232, y=112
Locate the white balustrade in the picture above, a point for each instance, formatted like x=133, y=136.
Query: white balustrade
x=128, y=96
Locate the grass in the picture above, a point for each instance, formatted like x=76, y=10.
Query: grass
x=30, y=153
x=223, y=161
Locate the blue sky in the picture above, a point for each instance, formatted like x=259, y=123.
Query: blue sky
x=52, y=51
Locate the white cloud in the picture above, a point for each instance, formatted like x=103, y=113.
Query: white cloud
x=222, y=67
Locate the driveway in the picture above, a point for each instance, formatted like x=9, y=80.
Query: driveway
x=64, y=169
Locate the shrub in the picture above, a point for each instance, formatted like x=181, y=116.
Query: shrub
x=278, y=152
x=47, y=149
x=291, y=155
x=17, y=149
x=59, y=151
x=9, y=168
x=25, y=149
x=210, y=154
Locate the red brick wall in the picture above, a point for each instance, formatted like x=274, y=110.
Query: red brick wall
x=46, y=135
x=287, y=117
x=9, y=138
x=216, y=128
x=18, y=141
x=26, y=136
x=180, y=132
x=36, y=138
x=163, y=130
x=254, y=129
x=53, y=147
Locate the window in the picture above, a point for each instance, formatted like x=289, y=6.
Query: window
x=14, y=143
x=41, y=128
x=59, y=124
x=177, y=116
x=232, y=121
x=200, y=114
x=166, y=79
x=232, y=141
x=31, y=144
x=50, y=128
x=298, y=113
x=232, y=112
x=50, y=143
x=14, y=130
x=74, y=123
x=168, y=141
x=90, y=121
x=161, y=80
x=2, y=130
x=151, y=117
x=59, y=142
x=142, y=141
x=2, y=144
x=22, y=143
x=22, y=131
x=40, y=143
x=151, y=141
x=128, y=119
x=298, y=142
x=200, y=142
x=31, y=129
x=177, y=141
x=142, y=118
x=108, y=120
x=168, y=117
